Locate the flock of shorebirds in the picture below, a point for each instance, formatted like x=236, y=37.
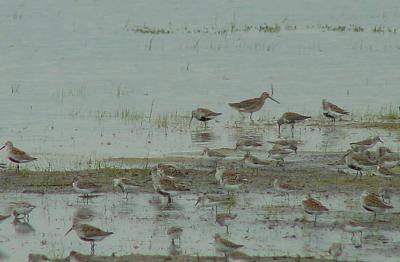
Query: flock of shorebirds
x=358, y=158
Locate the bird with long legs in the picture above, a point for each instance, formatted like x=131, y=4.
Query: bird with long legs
x=252, y=105
x=290, y=118
x=204, y=115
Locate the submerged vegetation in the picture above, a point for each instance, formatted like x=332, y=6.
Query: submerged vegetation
x=263, y=28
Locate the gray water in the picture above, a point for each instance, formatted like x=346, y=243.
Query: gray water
x=265, y=225
x=65, y=66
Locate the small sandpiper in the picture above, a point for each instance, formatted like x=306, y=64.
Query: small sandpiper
x=165, y=186
x=38, y=258
x=359, y=161
x=290, y=118
x=175, y=233
x=21, y=208
x=252, y=105
x=16, y=155
x=127, y=186
x=225, y=246
x=231, y=184
x=254, y=162
x=336, y=250
x=212, y=153
x=221, y=173
x=166, y=170
x=211, y=201
x=284, y=188
x=279, y=154
x=248, y=145
x=365, y=144
x=88, y=233
x=204, y=115
x=332, y=111
x=84, y=187
x=313, y=207
x=225, y=220
x=374, y=203
x=286, y=144
x=350, y=226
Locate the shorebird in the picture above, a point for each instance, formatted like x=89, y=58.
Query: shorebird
x=169, y=170
x=165, y=186
x=386, y=194
x=248, y=145
x=211, y=201
x=231, y=184
x=16, y=155
x=290, y=118
x=252, y=105
x=336, y=250
x=240, y=256
x=84, y=187
x=366, y=143
x=21, y=208
x=221, y=173
x=350, y=226
x=224, y=220
x=286, y=144
x=225, y=246
x=386, y=172
x=38, y=258
x=175, y=233
x=88, y=233
x=359, y=161
x=373, y=203
x=212, y=153
x=127, y=186
x=313, y=207
x=284, y=188
x=254, y=162
x=386, y=157
x=279, y=153
x=4, y=217
x=203, y=115
x=332, y=111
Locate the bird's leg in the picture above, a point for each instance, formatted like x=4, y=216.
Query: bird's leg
x=169, y=199
x=17, y=169
x=251, y=116
x=92, y=248
x=126, y=196
x=227, y=229
x=315, y=220
x=173, y=241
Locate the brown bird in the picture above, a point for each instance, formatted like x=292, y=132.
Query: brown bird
x=166, y=186
x=359, y=161
x=224, y=220
x=212, y=153
x=366, y=143
x=290, y=118
x=313, y=207
x=286, y=144
x=332, y=111
x=16, y=155
x=225, y=246
x=88, y=233
x=203, y=115
x=373, y=203
x=252, y=105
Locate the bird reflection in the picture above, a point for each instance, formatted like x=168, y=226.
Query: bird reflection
x=22, y=227
x=202, y=136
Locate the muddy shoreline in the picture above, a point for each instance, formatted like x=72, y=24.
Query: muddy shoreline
x=309, y=172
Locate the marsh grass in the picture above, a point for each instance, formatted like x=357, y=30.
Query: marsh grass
x=233, y=27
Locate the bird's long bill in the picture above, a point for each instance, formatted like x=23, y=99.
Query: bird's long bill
x=190, y=122
x=2, y=147
x=274, y=100
x=68, y=231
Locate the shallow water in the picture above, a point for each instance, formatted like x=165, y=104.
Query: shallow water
x=265, y=225
x=70, y=69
